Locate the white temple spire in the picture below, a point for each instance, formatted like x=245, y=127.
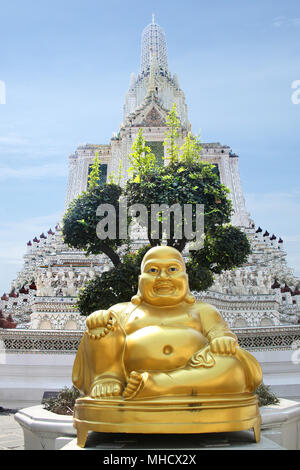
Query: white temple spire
x=154, y=36
x=154, y=79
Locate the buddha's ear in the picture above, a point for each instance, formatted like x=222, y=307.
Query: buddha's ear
x=137, y=299
x=189, y=298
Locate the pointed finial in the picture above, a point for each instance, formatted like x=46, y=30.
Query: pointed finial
x=153, y=18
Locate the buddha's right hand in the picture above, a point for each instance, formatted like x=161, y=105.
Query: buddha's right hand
x=224, y=345
x=100, y=319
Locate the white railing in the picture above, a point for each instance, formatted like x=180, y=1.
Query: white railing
x=67, y=342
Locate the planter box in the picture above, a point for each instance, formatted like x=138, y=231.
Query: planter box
x=281, y=423
x=44, y=430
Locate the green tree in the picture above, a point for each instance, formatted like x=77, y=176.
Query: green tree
x=116, y=178
x=171, y=135
x=80, y=222
x=182, y=183
x=185, y=180
x=141, y=158
x=190, y=151
x=116, y=285
x=94, y=175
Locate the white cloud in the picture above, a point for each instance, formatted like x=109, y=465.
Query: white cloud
x=285, y=203
x=278, y=213
x=13, y=239
x=30, y=149
x=31, y=225
x=50, y=170
x=12, y=139
x=280, y=21
x=292, y=238
x=11, y=252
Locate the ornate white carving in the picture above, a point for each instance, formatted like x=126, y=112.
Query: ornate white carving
x=67, y=342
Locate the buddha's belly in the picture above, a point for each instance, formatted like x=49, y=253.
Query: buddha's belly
x=161, y=348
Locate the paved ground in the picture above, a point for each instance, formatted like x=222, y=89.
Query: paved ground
x=11, y=434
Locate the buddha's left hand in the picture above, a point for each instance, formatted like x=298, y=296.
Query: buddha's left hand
x=223, y=345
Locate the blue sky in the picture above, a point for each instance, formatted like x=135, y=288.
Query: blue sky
x=66, y=67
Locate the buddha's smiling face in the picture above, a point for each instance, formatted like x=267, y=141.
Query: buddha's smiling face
x=163, y=280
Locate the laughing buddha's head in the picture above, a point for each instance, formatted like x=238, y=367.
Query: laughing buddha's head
x=163, y=280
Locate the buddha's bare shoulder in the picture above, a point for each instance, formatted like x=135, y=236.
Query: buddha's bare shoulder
x=205, y=309
x=120, y=306
x=101, y=317
x=117, y=308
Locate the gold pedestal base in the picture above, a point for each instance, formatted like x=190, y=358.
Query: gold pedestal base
x=168, y=415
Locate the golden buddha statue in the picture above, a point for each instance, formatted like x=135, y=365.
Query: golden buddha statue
x=150, y=365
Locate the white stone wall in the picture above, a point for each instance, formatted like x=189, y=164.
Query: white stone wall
x=241, y=217
x=25, y=377
x=79, y=163
x=68, y=321
x=49, y=372
x=280, y=373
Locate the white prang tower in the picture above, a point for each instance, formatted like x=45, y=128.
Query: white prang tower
x=263, y=292
x=148, y=100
